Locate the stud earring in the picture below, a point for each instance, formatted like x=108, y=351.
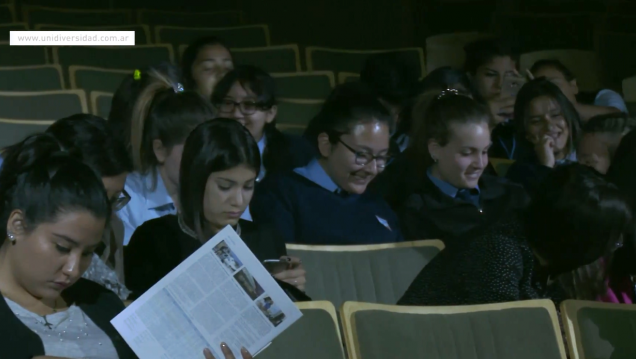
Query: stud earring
x=11, y=237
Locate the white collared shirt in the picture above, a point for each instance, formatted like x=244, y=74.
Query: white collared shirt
x=144, y=204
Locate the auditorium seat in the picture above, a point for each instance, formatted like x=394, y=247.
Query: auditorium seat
x=74, y=17
x=190, y=19
x=305, y=85
x=239, y=36
x=515, y=330
x=31, y=78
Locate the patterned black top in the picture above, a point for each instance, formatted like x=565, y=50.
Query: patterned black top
x=498, y=266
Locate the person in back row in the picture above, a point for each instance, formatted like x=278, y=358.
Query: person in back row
x=439, y=189
x=601, y=138
x=490, y=63
x=218, y=176
x=549, y=126
x=574, y=223
x=395, y=82
x=204, y=63
x=326, y=202
x=164, y=116
x=248, y=95
x=604, y=101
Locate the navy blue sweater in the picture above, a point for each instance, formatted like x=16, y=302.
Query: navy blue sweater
x=303, y=212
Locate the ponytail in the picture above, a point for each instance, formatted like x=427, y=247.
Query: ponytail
x=141, y=112
x=164, y=112
x=41, y=179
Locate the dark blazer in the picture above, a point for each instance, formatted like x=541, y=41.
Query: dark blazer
x=425, y=212
x=159, y=246
x=528, y=172
x=101, y=305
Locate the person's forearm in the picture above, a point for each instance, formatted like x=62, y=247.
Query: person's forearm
x=586, y=112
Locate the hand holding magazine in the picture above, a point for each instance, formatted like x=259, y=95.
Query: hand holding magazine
x=220, y=294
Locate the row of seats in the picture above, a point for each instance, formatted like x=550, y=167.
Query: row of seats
x=32, y=15
x=443, y=50
x=520, y=330
x=304, y=85
x=26, y=113
x=280, y=58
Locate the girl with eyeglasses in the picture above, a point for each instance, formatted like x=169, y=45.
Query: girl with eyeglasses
x=89, y=139
x=163, y=117
x=325, y=201
x=248, y=94
x=548, y=126
x=439, y=189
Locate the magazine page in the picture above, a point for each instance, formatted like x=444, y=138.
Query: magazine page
x=221, y=293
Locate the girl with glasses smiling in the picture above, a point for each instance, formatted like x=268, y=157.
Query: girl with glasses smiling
x=326, y=202
x=247, y=94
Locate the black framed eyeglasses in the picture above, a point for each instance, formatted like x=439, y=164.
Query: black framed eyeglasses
x=119, y=202
x=364, y=158
x=246, y=107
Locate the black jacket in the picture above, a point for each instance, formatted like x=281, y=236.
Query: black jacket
x=98, y=303
x=159, y=246
x=528, y=172
x=427, y=213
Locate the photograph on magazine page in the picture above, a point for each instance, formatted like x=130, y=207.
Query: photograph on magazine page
x=227, y=257
x=271, y=310
x=249, y=284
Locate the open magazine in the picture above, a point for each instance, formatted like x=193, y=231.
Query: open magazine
x=221, y=293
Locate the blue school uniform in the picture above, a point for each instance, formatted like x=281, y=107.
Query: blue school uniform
x=145, y=204
x=284, y=153
x=306, y=206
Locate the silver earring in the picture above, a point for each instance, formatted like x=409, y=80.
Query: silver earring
x=11, y=237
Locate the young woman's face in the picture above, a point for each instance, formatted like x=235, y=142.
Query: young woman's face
x=594, y=152
x=251, y=115
x=227, y=195
x=211, y=63
x=365, y=139
x=53, y=256
x=544, y=117
x=489, y=77
x=463, y=159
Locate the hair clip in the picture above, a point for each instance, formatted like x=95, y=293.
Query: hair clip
x=137, y=74
x=448, y=92
x=178, y=88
